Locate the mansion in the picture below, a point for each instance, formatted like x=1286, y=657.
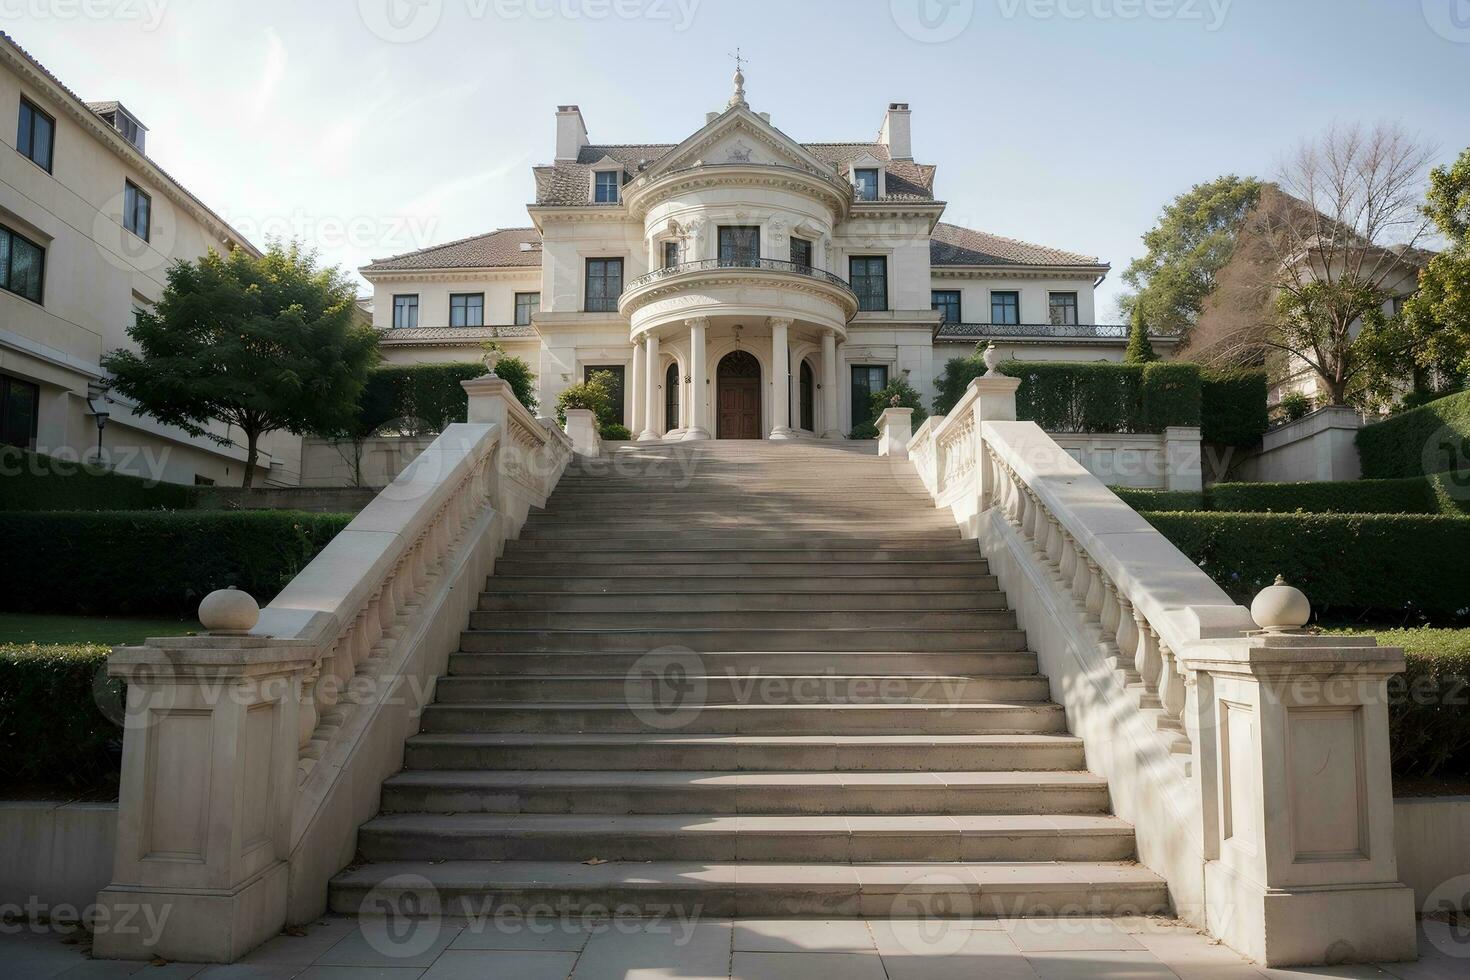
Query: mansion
x=739, y=284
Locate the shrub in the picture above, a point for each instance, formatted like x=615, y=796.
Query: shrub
x=1415, y=496
x=424, y=398
x=145, y=562
x=868, y=430
x=1294, y=405
x=594, y=395
x=1338, y=560
x=1140, y=349
x=31, y=481
x=1233, y=408
x=907, y=397
x=1075, y=397
x=57, y=711
x=1171, y=395
x=613, y=432
x=1434, y=438
x=950, y=386
x=515, y=372
x=1145, y=499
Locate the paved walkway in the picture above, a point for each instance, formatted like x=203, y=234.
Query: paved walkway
x=846, y=949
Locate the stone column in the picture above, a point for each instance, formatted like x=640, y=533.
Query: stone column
x=698, y=426
x=831, y=426
x=640, y=397
x=895, y=430
x=650, y=374
x=781, y=379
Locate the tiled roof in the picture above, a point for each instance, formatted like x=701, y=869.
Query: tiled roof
x=953, y=245
x=497, y=249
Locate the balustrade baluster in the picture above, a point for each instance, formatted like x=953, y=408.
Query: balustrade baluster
x=1126, y=635
x=1037, y=528
x=1171, y=685
x=1109, y=614
x=1146, y=655
x=1079, y=574
x=1053, y=541
x=1068, y=565
x=1092, y=599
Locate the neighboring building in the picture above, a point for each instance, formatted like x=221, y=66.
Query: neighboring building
x=89, y=225
x=698, y=272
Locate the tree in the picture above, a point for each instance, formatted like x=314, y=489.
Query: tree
x=1140, y=348
x=514, y=371
x=263, y=344
x=1192, y=242
x=1342, y=236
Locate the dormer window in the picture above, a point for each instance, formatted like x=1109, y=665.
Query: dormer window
x=605, y=191
x=865, y=180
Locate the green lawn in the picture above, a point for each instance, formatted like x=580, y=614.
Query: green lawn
x=107, y=630
x=1427, y=640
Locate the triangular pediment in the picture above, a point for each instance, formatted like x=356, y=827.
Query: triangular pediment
x=738, y=136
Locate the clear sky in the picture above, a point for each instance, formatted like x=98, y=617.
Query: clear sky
x=370, y=127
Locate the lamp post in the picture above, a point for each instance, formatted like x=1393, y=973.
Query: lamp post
x=100, y=412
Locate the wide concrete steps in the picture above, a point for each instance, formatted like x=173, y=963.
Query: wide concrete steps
x=673, y=619
x=858, y=639
x=525, y=601
x=749, y=663
x=620, y=581
x=783, y=566
x=639, y=688
x=738, y=888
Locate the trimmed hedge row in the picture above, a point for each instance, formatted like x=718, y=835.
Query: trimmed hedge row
x=1233, y=408
x=31, y=481
x=1431, y=439
x=1436, y=494
x=423, y=398
x=1429, y=703
x=144, y=562
x=59, y=716
x=1340, y=561
x=1160, y=500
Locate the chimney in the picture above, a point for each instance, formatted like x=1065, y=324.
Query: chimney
x=895, y=132
x=571, y=133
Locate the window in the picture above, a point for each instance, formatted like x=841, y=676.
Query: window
x=616, y=370
x=526, y=305
x=22, y=265
x=947, y=302
x=202, y=481
x=137, y=210
x=671, y=398
x=466, y=309
x=801, y=253
x=1005, y=308
x=406, y=311
x=19, y=401
x=604, y=285
x=866, y=182
x=1062, y=309
x=671, y=254
x=867, y=381
x=808, y=383
x=740, y=245
x=36, y=136
x=606, y=191
x=868, y=276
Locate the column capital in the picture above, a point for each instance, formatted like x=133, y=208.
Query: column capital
x=781, y=322
x=697, y=321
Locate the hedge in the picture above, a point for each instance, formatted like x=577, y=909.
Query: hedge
x=31, y=481
x=146, y=562
x=1141, y=499
x=1431, y=439
x=59, y=716
x=421, y=398
x=1421, y=495
x=1391, y=564
x=1233, y=408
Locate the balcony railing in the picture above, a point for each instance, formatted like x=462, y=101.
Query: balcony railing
x=1040, y=331
x=770, y=265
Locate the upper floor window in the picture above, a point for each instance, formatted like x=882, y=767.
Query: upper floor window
x=1005, y=308
x=606, y=188
x=1062, y=309
x=137, y=210
x=36, y=135
x=740, y=245
x=466, y=309
x=801, y=253
x=19, y=401
x=866, y=182
x=406, y=311
x=604, y=285
x=947, y=302
x=671, y=254
x=526, y=305
x=868, y=276
x=22, y=265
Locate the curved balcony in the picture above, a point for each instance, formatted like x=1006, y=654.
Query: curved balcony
x=738, y=287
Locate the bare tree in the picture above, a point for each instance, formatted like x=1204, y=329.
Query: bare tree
x=1339, y=231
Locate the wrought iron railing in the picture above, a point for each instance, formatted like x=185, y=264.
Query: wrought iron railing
x=1074, y=331
x=770, y=265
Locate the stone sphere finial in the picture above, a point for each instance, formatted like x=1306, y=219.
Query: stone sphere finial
x=992, y=361
x=229, y=611
x=1281, y=608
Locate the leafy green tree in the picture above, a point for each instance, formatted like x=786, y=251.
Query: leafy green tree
x=594, y=394
x=1140, y=348
x=515, y=372
x=1192, y=242
x=898, y=393
x=263, y=344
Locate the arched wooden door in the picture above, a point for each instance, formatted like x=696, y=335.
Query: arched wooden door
x=671, y=398
x=738, y=380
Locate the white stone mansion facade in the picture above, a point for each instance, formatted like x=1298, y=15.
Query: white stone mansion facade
x=739, y=284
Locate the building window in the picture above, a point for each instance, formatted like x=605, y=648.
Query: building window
x=740, y=245
x=801, y=253
x=604, y=285
x=137, y=210
x=202, y=481
x=36, y=136
x=671, y=398
x=406, y=311
x=867, y=381
x=947, y=302
x=22, y=265
x=868, y=276
x=671, y=254
x=866, y=182
x=527, y=304
x=466, y=309
x=1062, y=309
x=616, y=370
x=808, y=384
x=19, y=403
x=1005, y=308
x=606, y=191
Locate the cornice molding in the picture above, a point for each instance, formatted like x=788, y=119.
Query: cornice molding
x=737, y=277
x=468, y=274
x=670, y=185
x=1017, y=271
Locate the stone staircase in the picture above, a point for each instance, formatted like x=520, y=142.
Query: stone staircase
x=747, y=679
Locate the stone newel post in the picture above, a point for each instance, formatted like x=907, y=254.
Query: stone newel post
x=895, y=430
x=995, y=402
x=582, y=430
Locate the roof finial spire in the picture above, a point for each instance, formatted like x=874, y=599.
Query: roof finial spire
x=738, y=99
